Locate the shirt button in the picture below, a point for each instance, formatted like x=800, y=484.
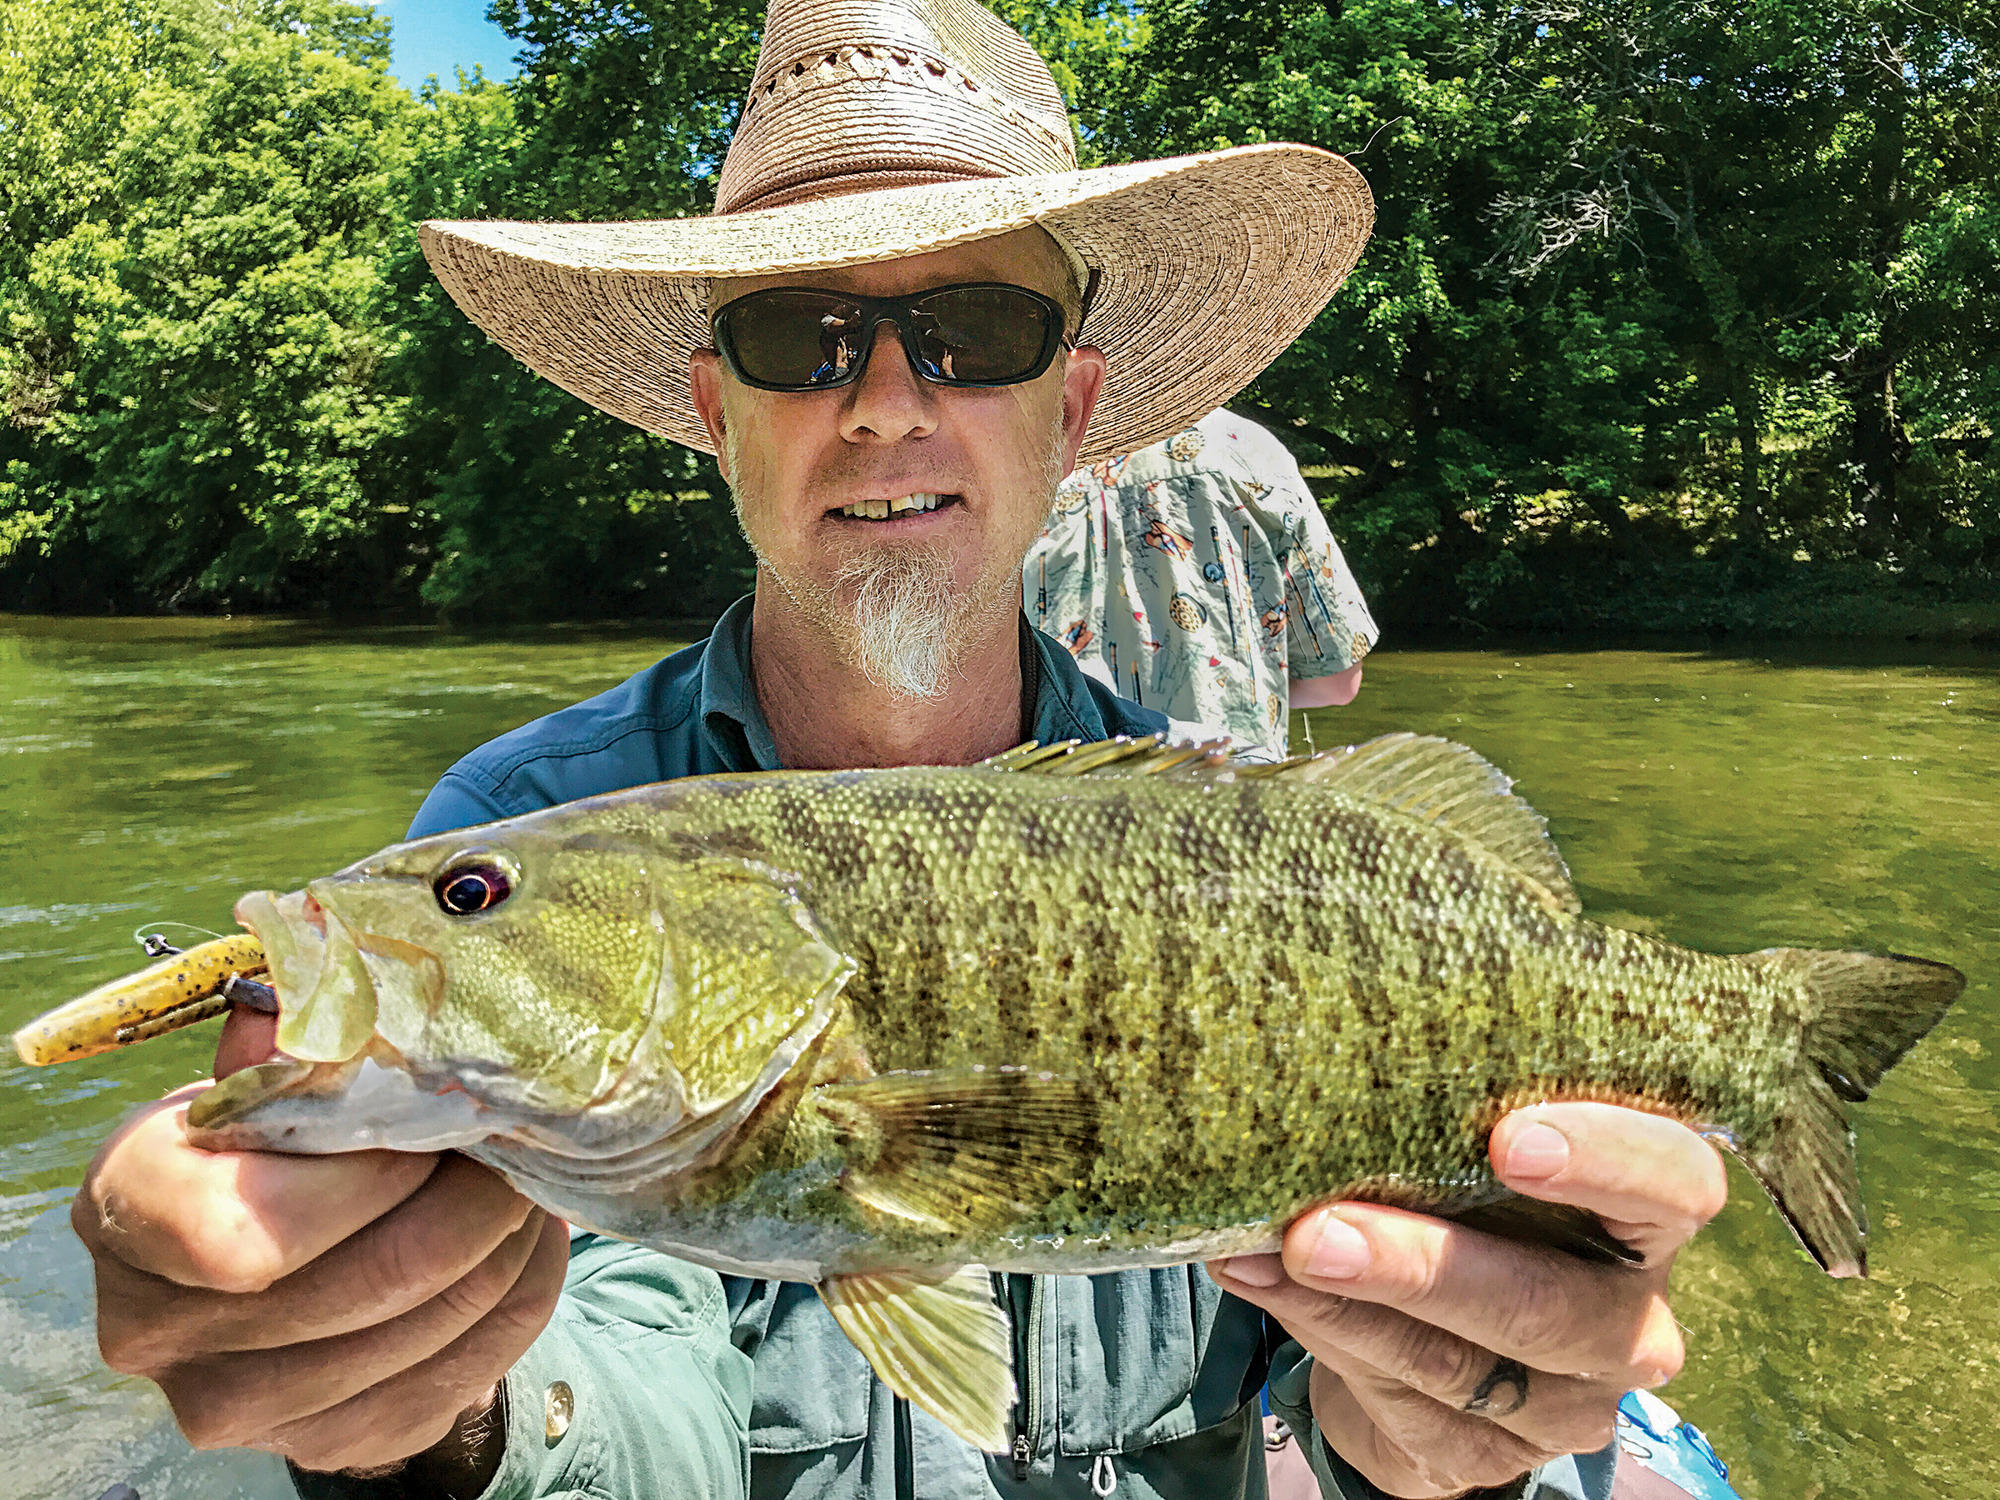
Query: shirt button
x=557, y=1409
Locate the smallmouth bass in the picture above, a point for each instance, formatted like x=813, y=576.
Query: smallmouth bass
x=1077, y=1009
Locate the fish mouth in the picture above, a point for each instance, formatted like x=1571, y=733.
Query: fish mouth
x=326, y=996
x=328, y=972
x=326, y=1007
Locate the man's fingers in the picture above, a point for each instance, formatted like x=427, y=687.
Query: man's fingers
x=1561, y=1413
x=229, y=1400
x=1409, y=1445
x=414, y=1251
x=1547, y=1309
x=230, y=1221
x=1652, y=1180
x=408, y=1256
x=415, y=1409
x=248, y=1036
x=1447, y=1358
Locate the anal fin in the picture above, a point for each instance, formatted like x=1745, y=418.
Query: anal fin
x=1508, y=1215
x=937, y=1340
x=1529, y=1221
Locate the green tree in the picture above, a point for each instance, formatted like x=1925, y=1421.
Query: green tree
x=1664, y=296
x=68, y=73
x=1453, y=400
x=545, y=507
x=1637, y=271
x=209, y=312
x=1799, y=173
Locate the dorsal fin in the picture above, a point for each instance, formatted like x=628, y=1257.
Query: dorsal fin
x=1146, y=755
x=1421, y=775
x=1447, y=784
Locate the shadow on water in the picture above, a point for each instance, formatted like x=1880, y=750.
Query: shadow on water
x=1732, y=799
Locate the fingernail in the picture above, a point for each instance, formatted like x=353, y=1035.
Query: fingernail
x=1537, y=1151
x=1255, y=1270
x=1341, y=1252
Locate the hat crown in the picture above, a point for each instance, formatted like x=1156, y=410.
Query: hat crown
x=854, y=95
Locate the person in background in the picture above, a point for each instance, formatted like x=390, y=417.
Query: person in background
x=1198, y=577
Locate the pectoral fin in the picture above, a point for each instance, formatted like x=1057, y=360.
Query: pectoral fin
x=938, y=1341
x=962, y=1149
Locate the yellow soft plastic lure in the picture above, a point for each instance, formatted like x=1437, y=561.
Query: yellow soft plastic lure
x=177, y=991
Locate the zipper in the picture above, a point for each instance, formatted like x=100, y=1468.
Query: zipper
x=1028, y=1410
x=1031, y=1376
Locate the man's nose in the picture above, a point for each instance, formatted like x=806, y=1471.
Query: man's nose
x=887, y=402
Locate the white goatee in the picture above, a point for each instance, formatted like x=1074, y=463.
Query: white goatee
x=902, y=613
x=893, y=610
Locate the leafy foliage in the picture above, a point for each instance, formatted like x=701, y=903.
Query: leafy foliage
x=1653, y=283
x=542, y=506
x=206, y=336
x=1673, y=306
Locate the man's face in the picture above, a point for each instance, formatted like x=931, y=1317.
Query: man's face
x=902, y=594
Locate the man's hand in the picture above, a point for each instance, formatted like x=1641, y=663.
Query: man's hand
x=344, y=1311
x=1446, y=1359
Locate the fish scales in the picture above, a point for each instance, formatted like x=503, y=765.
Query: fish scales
x=1249, y=964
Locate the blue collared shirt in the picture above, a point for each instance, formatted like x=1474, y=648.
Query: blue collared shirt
x=696, y=713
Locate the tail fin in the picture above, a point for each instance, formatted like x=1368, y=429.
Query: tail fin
x=1864, y=1012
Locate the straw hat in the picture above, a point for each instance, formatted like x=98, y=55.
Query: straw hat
x=876, y=129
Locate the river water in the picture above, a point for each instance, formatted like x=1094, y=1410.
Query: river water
x=152, y=771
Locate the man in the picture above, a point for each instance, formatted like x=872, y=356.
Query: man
x=403, y=1324
x=1197, y=576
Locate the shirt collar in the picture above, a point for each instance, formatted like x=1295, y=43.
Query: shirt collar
x=1063, y=708
x=1060, y=706
x=729, y=709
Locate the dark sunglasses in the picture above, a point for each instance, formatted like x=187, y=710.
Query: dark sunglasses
x=809, y=339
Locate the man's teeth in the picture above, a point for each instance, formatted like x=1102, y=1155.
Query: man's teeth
x=881, y=510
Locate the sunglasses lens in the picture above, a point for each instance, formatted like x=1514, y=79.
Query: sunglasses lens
x=793, y=338
x=981, y=334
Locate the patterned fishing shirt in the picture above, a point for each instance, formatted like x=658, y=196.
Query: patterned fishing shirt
x=1198, y=577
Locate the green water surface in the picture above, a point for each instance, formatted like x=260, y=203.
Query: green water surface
x=153, y=771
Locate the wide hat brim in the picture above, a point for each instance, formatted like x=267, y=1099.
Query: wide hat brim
x=1208, y=267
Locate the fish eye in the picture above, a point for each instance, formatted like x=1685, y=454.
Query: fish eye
x=465, y=889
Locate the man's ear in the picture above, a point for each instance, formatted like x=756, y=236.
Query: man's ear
x=1083, y=382
x=705, y=385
